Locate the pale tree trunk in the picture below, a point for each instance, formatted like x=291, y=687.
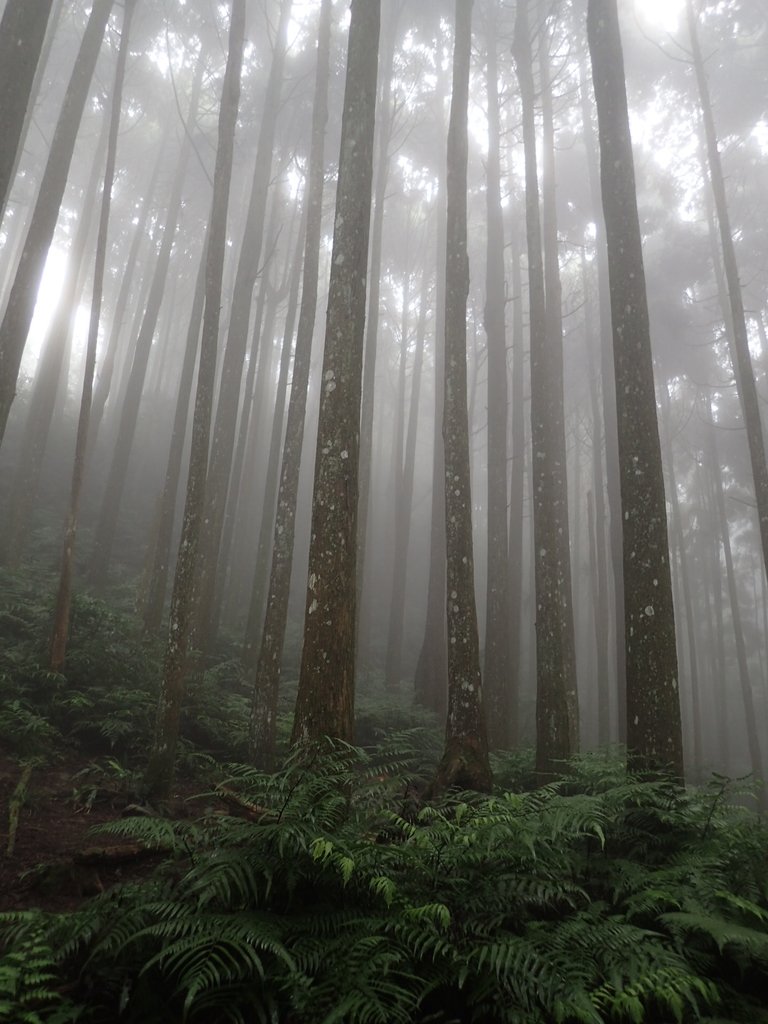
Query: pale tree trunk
x=60, y=633
x=159, y=772
x=685, y=586
x=258, y=591
x=228, y=399
x=498, y=690
x=556, y=718
x=404, y=497
x=163, y=535
x=129, y=412
x=464, y=762
x=103, y=385
x=654, y=733
x=325, y=700
x=431, y=667
x=516, y=490
x=50, y=372
x=21, y=303
x=739, y=337
x=267, y=679
x=22, y=33
x=745, y=683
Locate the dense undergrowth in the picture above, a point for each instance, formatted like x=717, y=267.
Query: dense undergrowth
x=338, y=893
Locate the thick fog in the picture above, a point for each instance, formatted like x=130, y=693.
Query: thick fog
x=137, y=457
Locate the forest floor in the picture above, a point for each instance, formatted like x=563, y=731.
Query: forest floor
x=54, y=858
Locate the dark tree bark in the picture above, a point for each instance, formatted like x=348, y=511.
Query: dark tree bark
x=556, y=717
x=654, y=734
x=159, y=773
x=266, y=684
x=22, y=32
x=60, y=633
x=21, y=303
x=498, y=690
x=129, y=412
x=228, y=400
x=465, y=758
x=325, y=700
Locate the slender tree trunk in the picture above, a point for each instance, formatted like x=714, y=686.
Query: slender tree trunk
x=404, y=503
x=50, y=373
x=742, y=361
x=22, y=32
x=556, y=736
x=129, y=413
x=654, y=733
x=159, y=773
x=383, y=142
x=615, y=598
x=102, y=388
x=60, y=633
x=228, y=403
x=161, y=555
x=498, y=690
x=267, y=678
x=266, y=527
x=516, y=491
x=21, y=303
x=685, y=586
x=465, y=758
x=432, y=666
x=325, y=700
x=745, y=683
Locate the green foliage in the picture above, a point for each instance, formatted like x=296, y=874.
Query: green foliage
x=342, y=897
x=30, y=975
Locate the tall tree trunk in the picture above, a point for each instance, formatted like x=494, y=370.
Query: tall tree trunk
x=267, y=677
x=742, y=361
x=383, y=142
x=696, y=766
x=325, y=700
x=556, y=736
x=21, y=303
x=745, y=683
x=60, y=633
x=432, y=666
x=516, y=489
x=163, y=537
x=129, y=413
x=22, y=32
x=228, y=401
x=654, y=733
x=102, y=388
x=404, y=500
x=159, y=773
x=51, y=371
x=615, y=599
x=498, y=691
x=465, y=758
